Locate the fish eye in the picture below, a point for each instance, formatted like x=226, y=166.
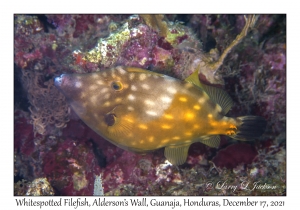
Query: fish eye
x=117, y=85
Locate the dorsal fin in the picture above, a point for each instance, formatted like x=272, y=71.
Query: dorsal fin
x=194, y=79
x=218, y=95
x=177, y=154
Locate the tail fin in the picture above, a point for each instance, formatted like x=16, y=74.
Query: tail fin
x=249, y=127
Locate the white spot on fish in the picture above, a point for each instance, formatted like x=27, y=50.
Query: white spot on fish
x=131, y=97
x=183, y=99
x=145, y=86
x=106, y=96
x=93, y=99
x=165, y=141
x=152, y=113
x=142, y=126
x=168, y=116
x=142, y=77
x=118, y=100
x=121, y=71
x=148, y=102
x=103, y=90
x=165, y=126
x=202, y=100
x=166, y=99
x=151, y=138
x=106, y=104
x=131, y=76
x=130, y=108
x=188, y=133
x=93, y=87
x=99, y=82
x=197, y=107
x=133, y=88
x=78, y=84
x=171, y=90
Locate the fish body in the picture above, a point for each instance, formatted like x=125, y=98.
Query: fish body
x=141, y=111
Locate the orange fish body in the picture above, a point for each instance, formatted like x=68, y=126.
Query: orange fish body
x=141, y=111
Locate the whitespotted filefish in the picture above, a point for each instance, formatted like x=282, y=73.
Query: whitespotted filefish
x=141, y=111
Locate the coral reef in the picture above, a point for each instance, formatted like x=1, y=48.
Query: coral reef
x=233, y=155
x=37, y=187
x=53, y=147
x=156, y=23
x=48, y=106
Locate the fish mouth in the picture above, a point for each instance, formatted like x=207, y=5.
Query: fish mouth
x=58, y=80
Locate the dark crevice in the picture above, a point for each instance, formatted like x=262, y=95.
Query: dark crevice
x=98, y=154
x=20, y=96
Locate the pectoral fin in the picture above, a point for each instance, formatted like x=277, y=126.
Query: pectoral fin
x=177, y=154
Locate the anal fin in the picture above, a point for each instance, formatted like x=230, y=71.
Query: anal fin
x=211, y=141
x=177, y=154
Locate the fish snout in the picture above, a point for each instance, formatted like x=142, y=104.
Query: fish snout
x=58, y=80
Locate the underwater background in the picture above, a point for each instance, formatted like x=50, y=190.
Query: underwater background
x=55, y=153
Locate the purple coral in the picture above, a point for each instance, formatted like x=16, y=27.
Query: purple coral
x=48, y=107
x=137, y=51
